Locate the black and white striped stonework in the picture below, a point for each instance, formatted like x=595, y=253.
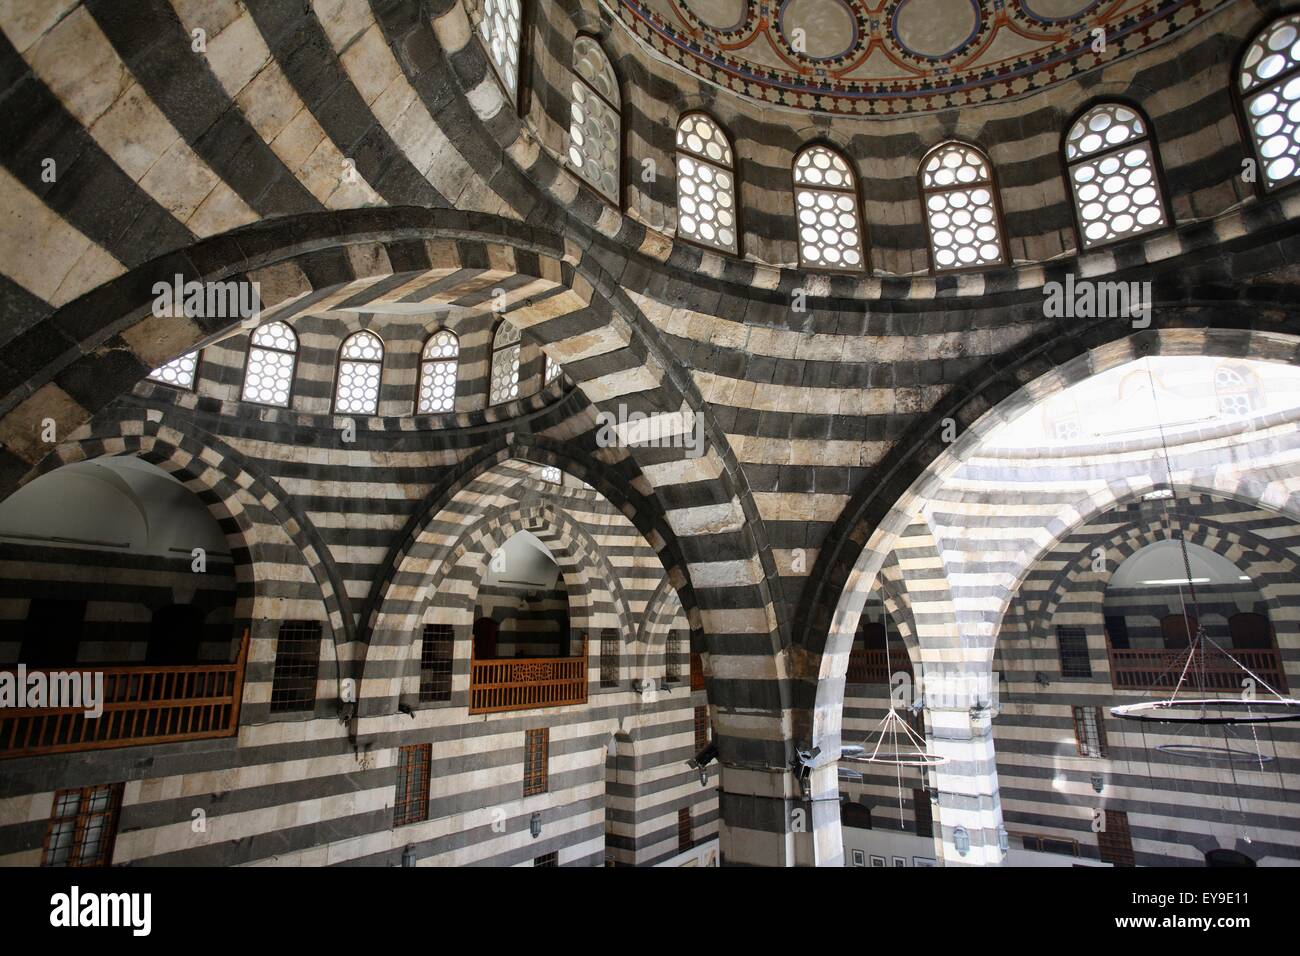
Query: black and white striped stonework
x=359, y=160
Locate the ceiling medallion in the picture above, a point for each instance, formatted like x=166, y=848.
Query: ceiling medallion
x=889, y=57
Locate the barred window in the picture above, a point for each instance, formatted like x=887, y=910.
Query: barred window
x=1269, y=86
x=1072, y=649
x=552, y=370
x=181, y=371
x=706, y=184
x=594, y=122
x=504, y=385
x=826, y=209
x=1090, y=731
x=673, y=657
x=547, y=859
x=1115, y=840
x=500, y=28
x=361, y=364
x=272, y=354
x=701, y=728
x=438, y=364
x=297, y=660
x=83, y=826
x=958, y=192
x=536, y=759
x=685, y=836
x=411, y=803
x=436, y=651
x=1112, y=172
x=609, y=657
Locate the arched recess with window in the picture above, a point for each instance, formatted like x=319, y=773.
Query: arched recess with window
x=963, y=213
x=828, y=211
x=1114, y=174
x=506, y=348
x=1268, y=89
x=359, y=373
x=270, y=365
x=439, y=372
x=595, y=120
x=706, y=184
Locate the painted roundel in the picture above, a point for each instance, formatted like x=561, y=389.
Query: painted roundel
x=887, y=57
x=936, y=29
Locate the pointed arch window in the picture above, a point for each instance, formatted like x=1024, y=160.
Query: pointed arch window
x=1235, y=391
x=959, y=194
x=500, y=29
x=181, y=371
x=1269, y=87
x=1112, y=172
x=595, y=124
x=706, y=184
x=552, y=370
x=827, y=211
x=438, y=364
x=272, y=355
x=361, y=364
x=504, y=384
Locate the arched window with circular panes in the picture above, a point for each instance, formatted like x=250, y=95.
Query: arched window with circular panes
x=827, y=211
x=361, y=364
x=438, y=362
x=595, y=126
x=960, y=199
x=552, y=371
x=1113, y=177
x=500, y=28
x=503, y=385
x=706, y=184
x=1269, y=86
x=272, y=356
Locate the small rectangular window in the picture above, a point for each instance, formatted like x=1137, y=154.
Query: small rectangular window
x=673, y=657
x=701, y=728
x=412, y=801
x=83, y=826
x=297, y=659
x=536, y=758
x=547, y=859
x=1114, y=841
x=1090, y=731
x=609, y=657
x=1043, y=844
x=685, y=838
x=435, y=662
x=1072, y=648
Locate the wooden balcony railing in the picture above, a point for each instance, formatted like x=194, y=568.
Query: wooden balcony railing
x=1210, y=670
x=141, y=705
x=868, y=666
x=506, y=684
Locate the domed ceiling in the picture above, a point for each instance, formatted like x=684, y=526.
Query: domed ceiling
x=899, y=56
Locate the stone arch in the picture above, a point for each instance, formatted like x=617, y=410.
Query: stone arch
x=662, y=612
x=412, y=590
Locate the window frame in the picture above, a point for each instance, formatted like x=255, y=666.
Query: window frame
x=418, y=774
x=538, y=779
x=735, y=186
x=338, y=371
x=1079, y=713
x=425, y=689
x=1153, y=146
x=492, y=354
x=308, y=707
x=112, y=817
x=419, y=377
x=609, y=638
x=198, y=369
x=864, y=244
x=999, y=216
x=517, y=98
x=618, y=203
x=293, y=369
x=1075, y=631
x=685, y=830
x=702, y=728
x=1244, y=127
